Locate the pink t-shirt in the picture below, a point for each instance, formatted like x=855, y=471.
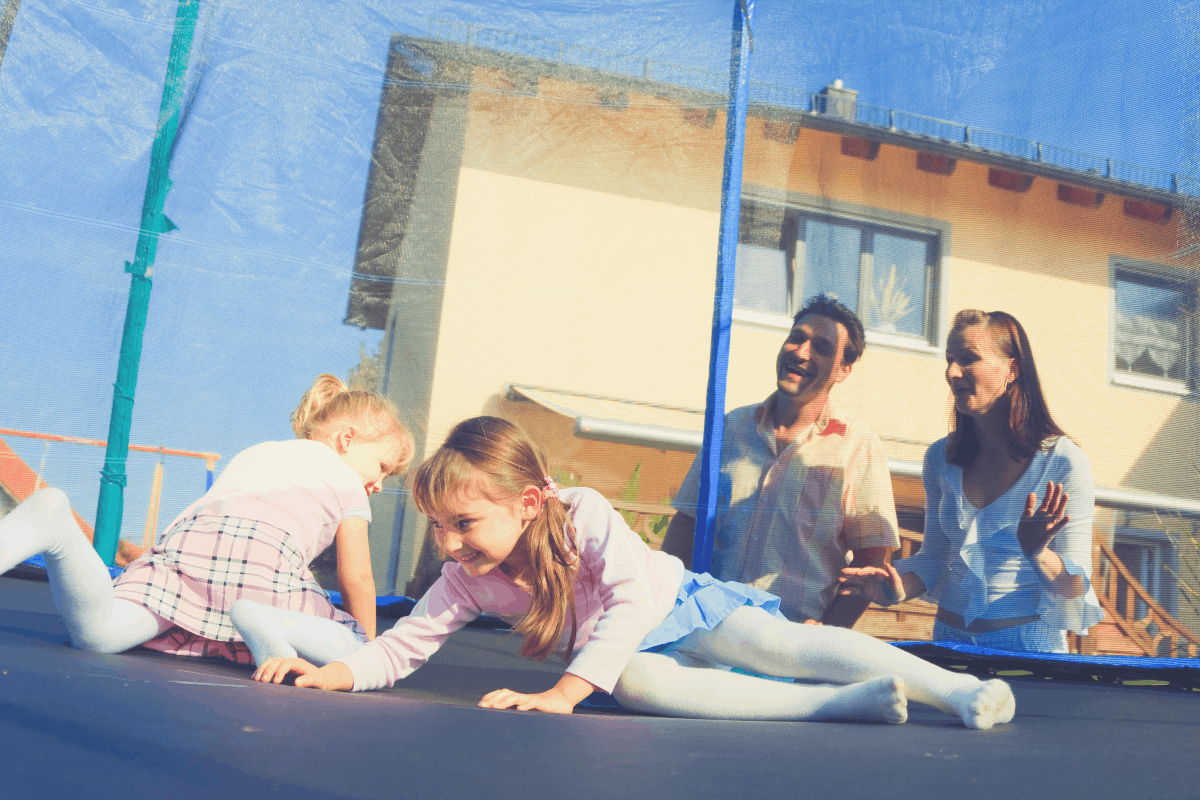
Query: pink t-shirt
x=623, y=590
x=299, y=486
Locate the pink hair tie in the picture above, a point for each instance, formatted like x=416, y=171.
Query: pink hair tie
x=551, y=489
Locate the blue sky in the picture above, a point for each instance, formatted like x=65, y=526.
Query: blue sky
x=271, y=169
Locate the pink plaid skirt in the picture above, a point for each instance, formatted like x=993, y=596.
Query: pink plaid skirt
x=203, y=564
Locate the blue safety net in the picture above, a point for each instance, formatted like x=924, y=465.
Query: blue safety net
x=517, y=209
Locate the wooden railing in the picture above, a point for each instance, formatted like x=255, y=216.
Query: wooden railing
x=645, y=514
x=910, y=542
x=1123, y=597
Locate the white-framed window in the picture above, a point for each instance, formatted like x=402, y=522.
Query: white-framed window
x=1154, y=327
x=886, y=271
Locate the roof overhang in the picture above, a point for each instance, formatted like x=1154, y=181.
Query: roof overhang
x=788, y=104
x=610, y=419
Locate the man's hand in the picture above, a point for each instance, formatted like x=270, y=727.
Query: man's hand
x=880, y=585
x=333, y=677
x=846, y=608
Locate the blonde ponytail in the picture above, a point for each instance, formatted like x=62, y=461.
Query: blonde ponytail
x=330, y=404
x=325, y=389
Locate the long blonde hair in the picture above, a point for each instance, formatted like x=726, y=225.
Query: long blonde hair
x=509, y=462
x=329, y=403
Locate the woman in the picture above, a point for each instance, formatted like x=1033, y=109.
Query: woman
x=1006, y=571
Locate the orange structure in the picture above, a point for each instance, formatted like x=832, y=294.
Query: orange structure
x=18, y=480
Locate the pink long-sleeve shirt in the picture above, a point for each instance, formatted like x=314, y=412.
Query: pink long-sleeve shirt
x=623, y=590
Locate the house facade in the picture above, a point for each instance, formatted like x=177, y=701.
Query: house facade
x=539, y=239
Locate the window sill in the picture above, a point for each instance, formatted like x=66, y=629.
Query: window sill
x=766, y=320
x=782, y=323
x=907, y=343
x=1175, y=388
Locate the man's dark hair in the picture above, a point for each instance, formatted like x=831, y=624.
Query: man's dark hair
x=827, y=306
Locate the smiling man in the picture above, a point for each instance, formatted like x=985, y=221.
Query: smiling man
x=803, y=487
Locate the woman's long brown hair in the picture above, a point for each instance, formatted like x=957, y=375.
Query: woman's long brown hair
x=1029, y=420
x=497, y=458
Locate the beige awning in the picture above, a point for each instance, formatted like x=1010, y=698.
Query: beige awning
x=611, y=419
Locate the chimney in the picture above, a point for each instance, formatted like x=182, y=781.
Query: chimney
x=837, y=101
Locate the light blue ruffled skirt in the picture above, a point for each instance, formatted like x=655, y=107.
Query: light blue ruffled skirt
x=702, y=602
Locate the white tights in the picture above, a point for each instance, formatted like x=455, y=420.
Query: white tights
x=275, y=633
x=876, y=679
x=873, y=680
x=79, y=581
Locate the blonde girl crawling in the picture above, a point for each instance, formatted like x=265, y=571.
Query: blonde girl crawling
x=274, y=508
x=563, y=567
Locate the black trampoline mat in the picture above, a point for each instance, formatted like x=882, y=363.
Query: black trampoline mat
x=143, y=724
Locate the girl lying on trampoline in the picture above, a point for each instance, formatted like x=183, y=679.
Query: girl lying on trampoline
x=252, y=535
x=564, y=568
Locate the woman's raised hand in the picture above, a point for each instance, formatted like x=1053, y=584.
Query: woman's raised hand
x=880, y=585
x=1040, y=523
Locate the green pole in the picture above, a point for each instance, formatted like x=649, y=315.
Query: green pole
x=154, y=221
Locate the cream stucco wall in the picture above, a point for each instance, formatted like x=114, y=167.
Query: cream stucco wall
x=535, y=296
x=582, y=258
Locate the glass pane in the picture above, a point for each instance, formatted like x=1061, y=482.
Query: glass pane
x=897, y=301
x=831, y=258
x=1150, y=328
x=761, y=279
x=1137, y=559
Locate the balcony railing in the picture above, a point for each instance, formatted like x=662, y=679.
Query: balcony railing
x=1006, y=144
x=779, y=96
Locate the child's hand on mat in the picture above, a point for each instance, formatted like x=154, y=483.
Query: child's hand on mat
x=880, y=585
x=550, y=701
x=274, y=670
x=334, y=677
x=561, y=699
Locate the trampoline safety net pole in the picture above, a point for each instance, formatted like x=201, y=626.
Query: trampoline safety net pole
x=109, y=508
x=6, y=25
x=718, y=361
